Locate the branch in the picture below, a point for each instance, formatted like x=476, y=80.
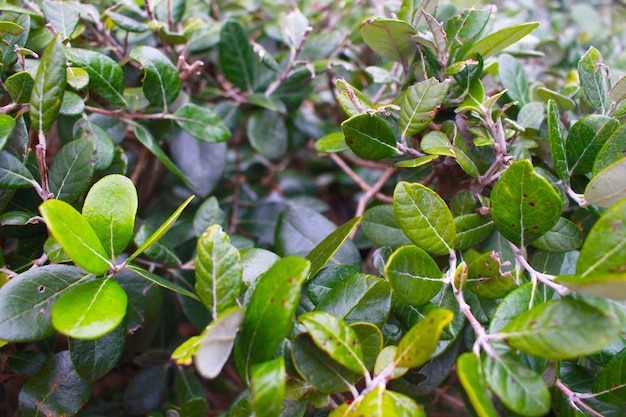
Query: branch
x=535, y=275
x=575, y=399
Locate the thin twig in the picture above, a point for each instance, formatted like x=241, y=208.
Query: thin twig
x=575, y=400
x=535, y=275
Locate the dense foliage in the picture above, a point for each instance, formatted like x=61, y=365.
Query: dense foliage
x=265, y=208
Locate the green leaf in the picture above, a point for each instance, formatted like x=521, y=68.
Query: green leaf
x=269, y=315
x=84, y=129
x=90, y=310
x=267, y=133
x=585, y=139
x=72, y=105
x=562, y=101
x=497, y=41
x=371, y=340
x=20, y=86
x=268, y=387
x=93, y=359
x=201, y=123
x=594, y=80
x=561, y=329
x=369, y=137
x=420, y=105
x=110, y=208
x=26, y=300
x=604, y=249
x=608, y=187
x=352, y=100
x=335, y=338
x=523, y=204
x=55, y=390
x=323, y=252
x=381, y=228
x=377, y=403
x=325, y=280
x=77, y=78
x=75, y=235
x=160, y=251
x=390, y=38
x=513, y=79
x=236, y=56
x=72, y=169
x=127, y=23
x=414, y=276
x=405, y=405
x=13, y=174
x=419, y=343
x=557, y=142
x=611, y=381
x=424, y=217
x=437, y=143
x=62, y=15
x=607, y=285
x=563, y=237
x=613, y=150
x=218, y=270
x=462, y=30
x=106, y=78
x=618, y=92
x=162, y=282
x=331, y=143
x=473, y=381
x=387, y=358
x=471, y=229
x=10, y=28
x=520, y=389
x=161, y=83
x=486, y=279
x=47, y=94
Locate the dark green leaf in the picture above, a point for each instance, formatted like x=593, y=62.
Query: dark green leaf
x=106, y=78
x=471, y=229
x=62, y=15
x=564, y=236
x=160, y=251
x=201, y=123
x=389, y=37
x=325, y=280
x=463, y=29
x=72, y=105
x=612, y=150
x=268, y=387
x=473, y=381
x=557, y=142
x=611, y=380
x=414, y=276
x=93, y=359
x=369, y=136
x=585, y=140
x=594, y=80
x=161, y=83
x=13, y=173
x=85, y=129
x=208, y=214
x=162, y=282
x=72, y=169
x=236, y=56
x=20, y=86
x=268, y=134
x=563, y=102
x=324, y=251
x=420, y=105
x=419, y=343
x=485, y=277
x=381, y=228
x=514, y=79
x=371, y=341
x=497, y=41
x=144, y=300
x=127, y=23
x=144, y=393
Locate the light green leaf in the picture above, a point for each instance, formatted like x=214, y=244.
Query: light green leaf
x=486, y=279
x=369, y=136
x=106, y=77
x=424, y=217
x=613, y=150
x=414, y=276
x=13, y=173
x=389, y=37
x=607, y=284
x=386, y=358
x=162, y=282
x=352, y=100
x=161, y=83
x=381, y=228
x=419, y=343
x=335, y=338
x=594, y=80
x=514, y=79
x=524, y=205
x=72, y=169
x=420, y=105
x=473, y=381
x=561, y=329
x=609, y=186
x=405, y=405
x=20, y=86
x=62, y=15
x=471, y=229
x=331, y=143
x=236, y=56
x=417, y=162
x=585, y=139
x=611, y=381
x=218, y=270
x=563, y=237
x=201, y=123
x=6, y=127
x=110, y=208
x=90, y=310
x=497, y=41
x=75, y=235
x=377, y=403
x=437, y=143
x=557, y=142
x=47, y=94
x=268, y=387
x=563, y=102
x=323, y=252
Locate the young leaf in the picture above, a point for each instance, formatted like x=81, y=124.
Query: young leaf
x=497, y=41
x=268, y=318
x=93, y=359
x=323, y=252
x=557, y=142
x=473, y=381
x=389, y=37
x=13, y=173
x=162, y=282
x=420, y=105
x=161, y=83
x=594, y=80
x=75, y=235
x=218, y=270
x=236, y=56
x=369, y=136
x=335, y=338
x=201, y=123
x=420, y=341
x=414, y=276
x=106, y=78
x=110, y=208
x=611, y=380
x=268, y=387
x=47, y=94
x=90, y=310
x=424, y=217
x=352, y=100
x=26, y=301
x=561, y=329
x=608, y=187
x=585, y=139
x=72, y=169
x=331, y=143
x=523, y=204
x=6, y=127
x=520, y=389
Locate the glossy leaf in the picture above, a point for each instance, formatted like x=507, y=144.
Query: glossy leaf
x=13, y=173
x=608, y=187
x=6, y=127
x=268, y=317
x=471, y=229
x=585, y=139
x=420, y=105
x=47, y=94
x=110, y=208
x=55, y=390
x=324, y=251
x=26, y=301
x=419, y=343
x=563, y=329
x=268, y=133
x=20, y=86
x=371, y=340
x=607, y=284
x=379, y=225
x=369, y=136
x=564, y=236
x=77, y=78
x=162, y=282
x=497, y=41
x=524, y=205
x=236, y=56
x=218, y=270
x=424, y=217
x=75, y=235
x=63, y=17
x=72, y=169
x=201, y=123
x=84, y=129
x=437, y=143
x=378, y=403
x=106, y=78
x=389, y=37
x=325, y=280
x=486, y=279
x=463, y=29
x=520, y=389
x=594, y=80
x=352, y=100
x=331, y=143
x=414, y=276
x=611, y=380
x=161, y=83
x=93, y=359
x=268, y=387
x=473, y=381
x=557, y=142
